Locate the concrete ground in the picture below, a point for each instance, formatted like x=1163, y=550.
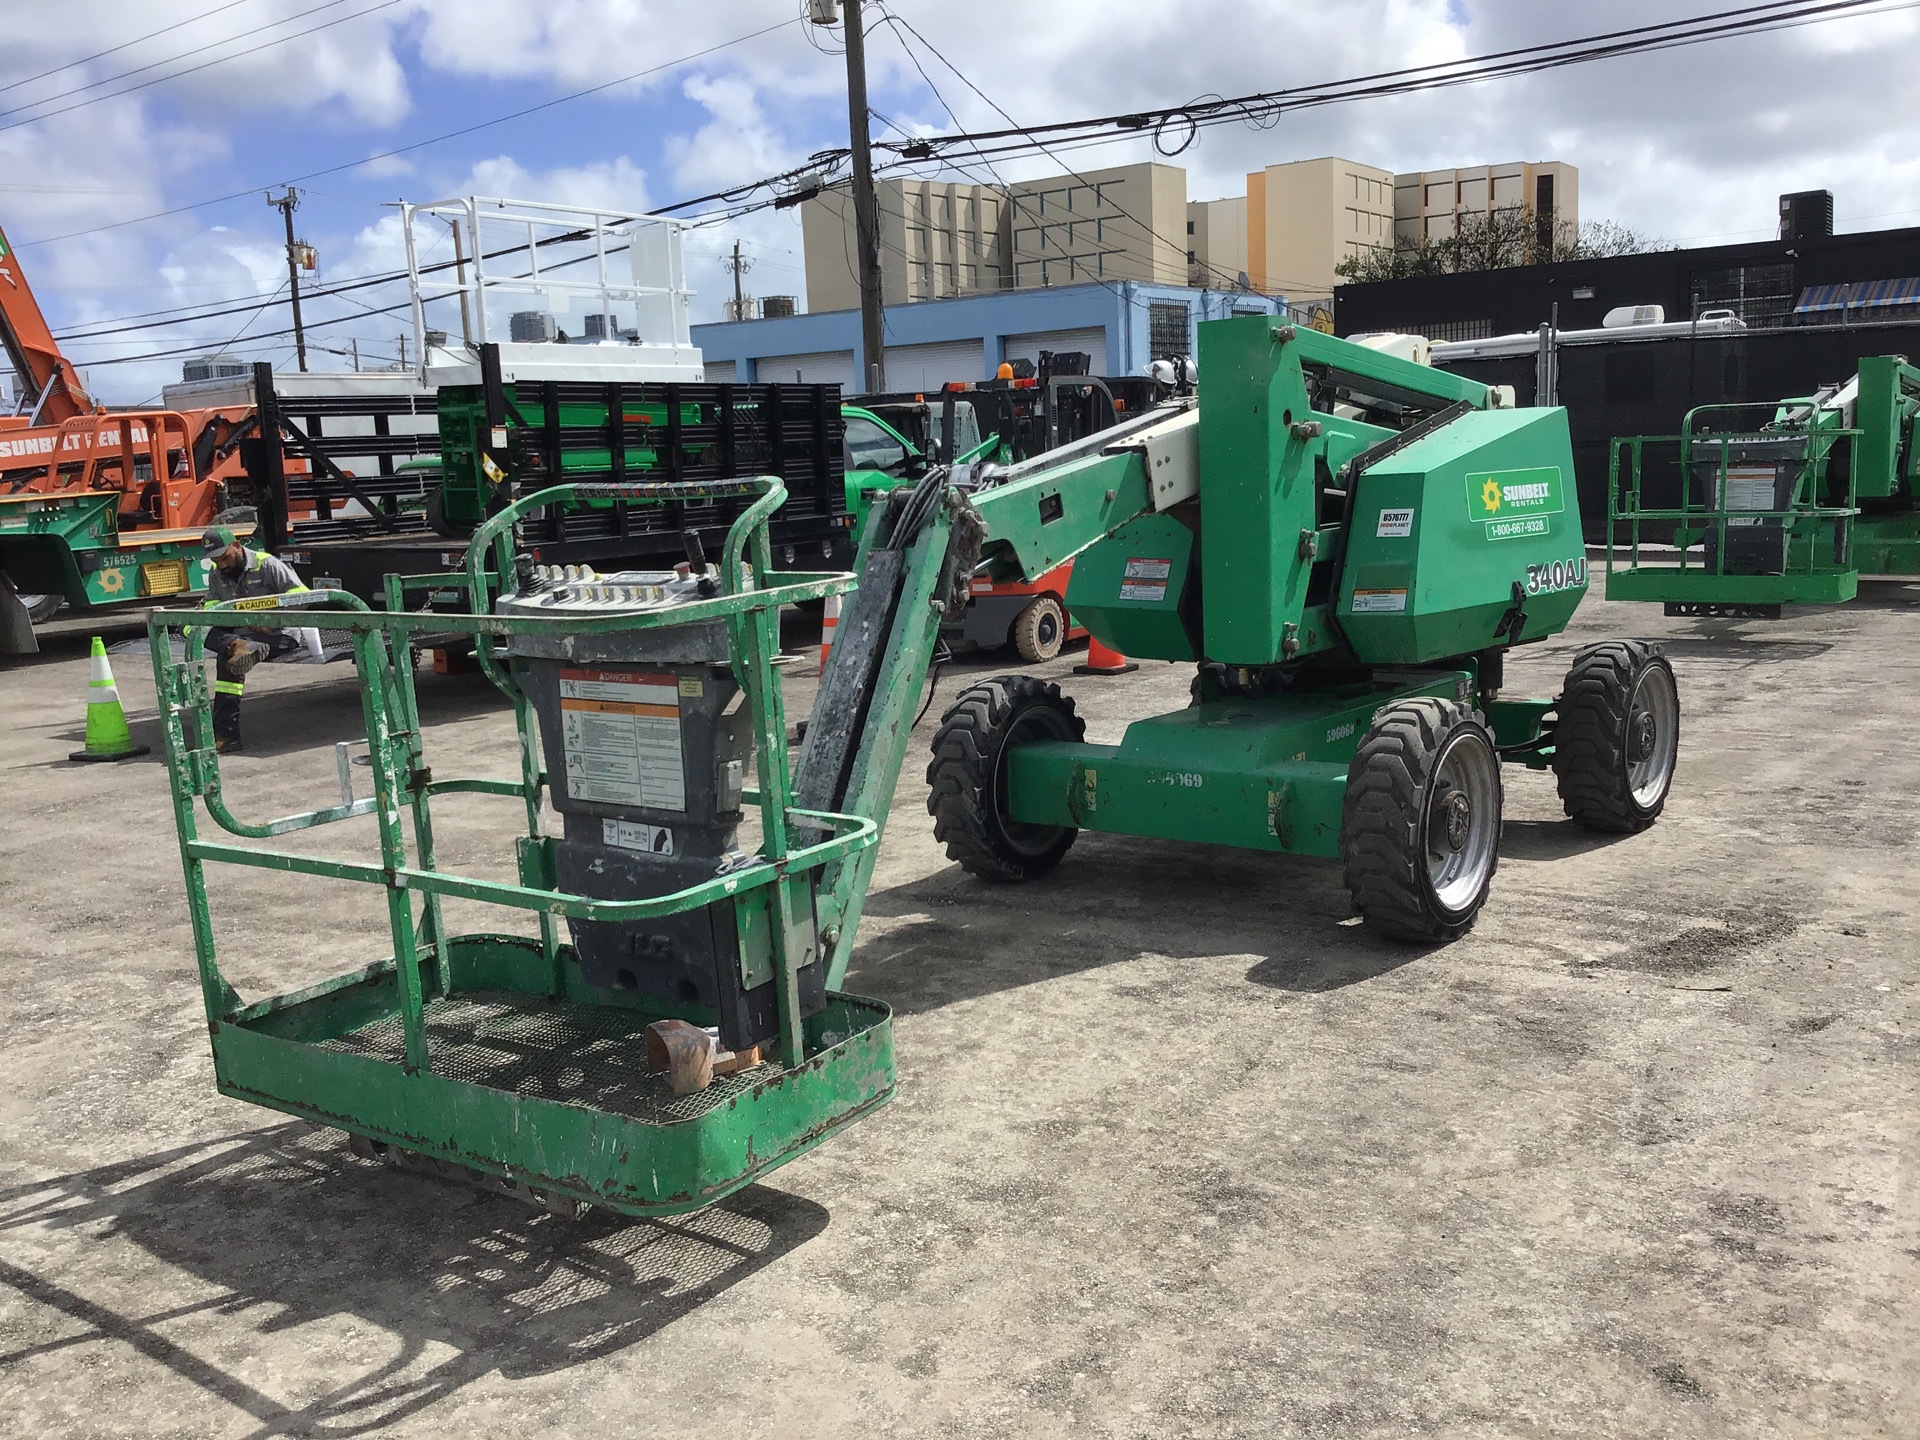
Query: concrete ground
x=1179, y=1148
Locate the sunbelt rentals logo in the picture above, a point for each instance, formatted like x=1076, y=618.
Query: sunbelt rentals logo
x=1516, y=502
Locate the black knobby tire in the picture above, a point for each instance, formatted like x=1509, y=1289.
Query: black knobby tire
x=968, y=777
x=42, y=608
x=1415, y=758
x=1617, y=737
x=1040, y=630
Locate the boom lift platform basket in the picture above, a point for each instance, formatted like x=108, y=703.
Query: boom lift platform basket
x=497, y=1052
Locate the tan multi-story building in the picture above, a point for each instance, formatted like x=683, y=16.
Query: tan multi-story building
x=1305, y=217
x=1296, y=223
x=938, y=240
x=1120, y=224
x=1217, y=243
x=1429, y=204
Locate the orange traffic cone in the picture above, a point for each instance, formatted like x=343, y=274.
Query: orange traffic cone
x=107, y=735
x=829, y=627
x=1102, y=660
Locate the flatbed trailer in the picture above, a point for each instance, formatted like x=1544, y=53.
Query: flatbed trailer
x=347, y=531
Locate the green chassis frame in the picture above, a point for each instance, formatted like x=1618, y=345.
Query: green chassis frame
x=392, y=1051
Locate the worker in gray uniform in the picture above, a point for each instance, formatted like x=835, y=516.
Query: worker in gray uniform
x=240, y=573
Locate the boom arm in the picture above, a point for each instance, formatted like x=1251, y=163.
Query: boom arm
x=55, y=385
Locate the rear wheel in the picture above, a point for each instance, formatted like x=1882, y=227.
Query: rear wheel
x=1420, y=826
x=42, y=608
x=1617, y=738
x=1040, y=630
x=969, y=777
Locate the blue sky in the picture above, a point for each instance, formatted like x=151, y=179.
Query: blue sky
x=1691, y=145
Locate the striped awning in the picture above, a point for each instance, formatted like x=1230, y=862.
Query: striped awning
x=1859, y=295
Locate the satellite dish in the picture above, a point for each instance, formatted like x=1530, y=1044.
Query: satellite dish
x=1242, y=281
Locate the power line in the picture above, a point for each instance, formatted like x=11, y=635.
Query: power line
x=206, y=65
x=1026, y=141
x=165, y=60
x=1521, y=60
x=415, y=145
x=123, y=45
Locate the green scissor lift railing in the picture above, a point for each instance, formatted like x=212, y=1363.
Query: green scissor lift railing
x=423, y=1049
x=1818, y=564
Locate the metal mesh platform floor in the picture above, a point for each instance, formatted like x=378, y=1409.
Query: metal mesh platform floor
x=593, y=1056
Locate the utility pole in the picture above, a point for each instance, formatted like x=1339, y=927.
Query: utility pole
x=403, y=349
x=460, y=272
x=286, y=205
x=866, y=208
x=739, y=265
x=356, y=355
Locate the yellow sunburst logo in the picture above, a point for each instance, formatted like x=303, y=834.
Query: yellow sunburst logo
x=112, y=582
x=1490, y=495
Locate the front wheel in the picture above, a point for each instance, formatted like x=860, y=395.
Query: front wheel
x=1617, y=738
x=969, y=777
x=1420, y=825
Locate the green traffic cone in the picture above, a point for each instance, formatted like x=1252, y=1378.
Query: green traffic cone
x=107, y=734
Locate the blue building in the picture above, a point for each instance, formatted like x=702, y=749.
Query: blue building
x=1122, y=324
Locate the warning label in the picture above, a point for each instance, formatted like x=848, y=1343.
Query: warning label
x=632, y=835
x=620, y=730
x=1145, y=579
x=1379, y=602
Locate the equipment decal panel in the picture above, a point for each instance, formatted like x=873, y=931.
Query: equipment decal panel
x=1146, y=579
x=620, y=730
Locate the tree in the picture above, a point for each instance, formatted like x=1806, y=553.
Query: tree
x=1494, y=241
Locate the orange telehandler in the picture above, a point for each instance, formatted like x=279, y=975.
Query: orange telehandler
x=97, y=506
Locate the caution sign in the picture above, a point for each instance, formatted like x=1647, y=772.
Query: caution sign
x=1516, y=502
x=1145, y=579
x=620, y=730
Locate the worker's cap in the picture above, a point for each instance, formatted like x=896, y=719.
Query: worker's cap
x=216, y=539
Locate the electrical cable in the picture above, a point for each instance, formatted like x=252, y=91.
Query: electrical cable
x=123, y=45
x=168, y=60
x=415, y=145
x=206, y=65
x=1760, y=18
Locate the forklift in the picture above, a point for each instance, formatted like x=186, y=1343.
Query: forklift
x=1342, y=544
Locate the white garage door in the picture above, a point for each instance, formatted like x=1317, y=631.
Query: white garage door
x=720, y=372
x=822, y=367
x=928, y=367
x=1093, y=340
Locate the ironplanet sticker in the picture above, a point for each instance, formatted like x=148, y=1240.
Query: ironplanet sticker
x=1516, y=502
x=1145, y=579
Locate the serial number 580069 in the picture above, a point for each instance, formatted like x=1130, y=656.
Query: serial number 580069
x=1545, y=579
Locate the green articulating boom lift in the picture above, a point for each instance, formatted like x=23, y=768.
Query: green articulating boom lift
x=1786, y=502
x=1343, y=544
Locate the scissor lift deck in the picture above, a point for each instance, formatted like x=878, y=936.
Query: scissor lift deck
x=492, y=1051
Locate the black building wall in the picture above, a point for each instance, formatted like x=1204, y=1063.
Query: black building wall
x=1760, y=281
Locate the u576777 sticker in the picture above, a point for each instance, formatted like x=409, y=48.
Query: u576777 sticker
x=1556, y=575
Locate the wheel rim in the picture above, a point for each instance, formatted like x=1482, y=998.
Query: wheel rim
x=1048, y=630
x=1653, y=734
x=1037, y=722
x=1462, y=820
